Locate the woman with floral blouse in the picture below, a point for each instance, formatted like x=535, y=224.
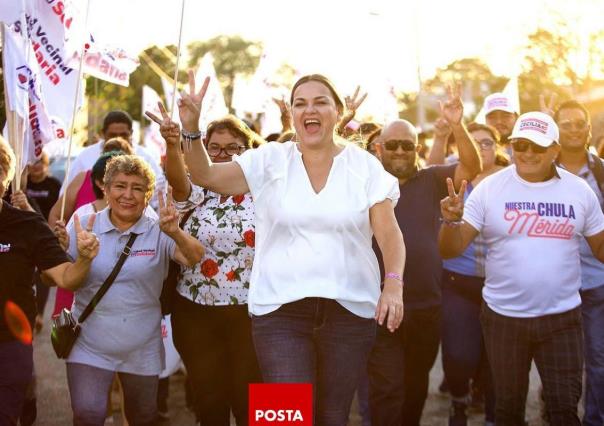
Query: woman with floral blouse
x=210, y=322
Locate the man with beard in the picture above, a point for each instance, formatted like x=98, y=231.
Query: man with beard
x=575, y=132
x=400, y=362
x=501, y=112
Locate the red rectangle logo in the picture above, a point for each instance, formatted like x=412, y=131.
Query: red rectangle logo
x=280, y=404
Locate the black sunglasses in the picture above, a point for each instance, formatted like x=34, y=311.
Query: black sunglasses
x=393, y=145
x=523, y=145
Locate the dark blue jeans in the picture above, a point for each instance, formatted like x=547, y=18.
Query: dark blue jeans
x=315, y=341
x=593, y=332
x=463, y=351
x=16, y=366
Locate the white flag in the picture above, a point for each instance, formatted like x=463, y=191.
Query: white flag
x=11, y=10
x=152, y=137
x=213, y=106
x=25, y=95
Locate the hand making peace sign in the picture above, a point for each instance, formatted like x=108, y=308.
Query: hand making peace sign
x=451, y=207
x=169, y=130
x=168, y=216
x=189, y=105
x=87, y=241
x=452, y=109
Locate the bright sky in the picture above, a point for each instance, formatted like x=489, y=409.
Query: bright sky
x=375, y=43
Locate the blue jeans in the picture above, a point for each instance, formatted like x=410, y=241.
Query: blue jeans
x=592, y=309
x=315, y=341
x=16, y=367
x=463, y=350
x=89, y=389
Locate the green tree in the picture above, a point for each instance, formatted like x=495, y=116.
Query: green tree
x=232, y=55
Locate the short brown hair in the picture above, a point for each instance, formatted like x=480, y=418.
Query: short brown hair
x=319, y=78
x=130, y=165
x=7, y=159
x=118, y=144
x=236, y=127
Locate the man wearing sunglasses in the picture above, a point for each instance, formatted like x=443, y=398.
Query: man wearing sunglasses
x=575, y=132
x=400, y=363
x=532, y=217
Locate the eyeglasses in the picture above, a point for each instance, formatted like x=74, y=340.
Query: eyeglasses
x=232, y=149
x=486, y=144
x=522, y=145
x=570, y=125
x=393, y=145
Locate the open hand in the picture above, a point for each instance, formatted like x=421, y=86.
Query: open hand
x=451, y=207
x=88, y=243
x=390, y=305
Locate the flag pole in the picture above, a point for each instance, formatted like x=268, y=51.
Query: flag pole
x=83, y=50
x=182, y=14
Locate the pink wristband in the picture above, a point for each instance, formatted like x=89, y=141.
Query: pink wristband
x=395, y=276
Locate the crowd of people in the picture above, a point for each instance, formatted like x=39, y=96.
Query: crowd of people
x=318, y=258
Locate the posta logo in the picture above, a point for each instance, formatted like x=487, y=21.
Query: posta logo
x=280, y=404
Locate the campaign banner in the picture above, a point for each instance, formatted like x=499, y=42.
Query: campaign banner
x=25, y=95
x=213, y=106
x=152, y=137
x=11, y=10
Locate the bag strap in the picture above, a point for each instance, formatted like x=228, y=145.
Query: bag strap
x=597, y=169
x=116, y=269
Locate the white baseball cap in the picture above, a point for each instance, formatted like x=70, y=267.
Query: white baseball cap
x=537, y=127
x=499, y=102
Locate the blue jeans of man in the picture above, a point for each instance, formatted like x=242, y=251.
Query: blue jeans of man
x=16, y=366
x=317, y=341
x=592, y=309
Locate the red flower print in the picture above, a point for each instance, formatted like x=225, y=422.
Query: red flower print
x=209, y=268
x=250, y=238
x=231, y=275
x=238, y=199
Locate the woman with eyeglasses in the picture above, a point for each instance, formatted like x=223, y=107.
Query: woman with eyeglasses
x=464, y=357
x=315, y=288
x=210, y=321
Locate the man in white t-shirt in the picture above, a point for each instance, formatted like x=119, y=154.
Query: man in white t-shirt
x=532, y=216
x=116, y=123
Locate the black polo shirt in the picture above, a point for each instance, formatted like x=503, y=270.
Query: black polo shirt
x=26, y=242
x=418, y=215
x=45, y=193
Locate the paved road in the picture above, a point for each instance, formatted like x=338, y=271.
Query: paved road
x=54, y=407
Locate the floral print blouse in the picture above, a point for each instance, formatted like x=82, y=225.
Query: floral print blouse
x=227, y=232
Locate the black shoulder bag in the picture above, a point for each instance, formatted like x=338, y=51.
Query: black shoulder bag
x=65, y=329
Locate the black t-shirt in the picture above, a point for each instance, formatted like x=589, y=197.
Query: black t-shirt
x=45, y=193
x=418, y=215
x=26, y=242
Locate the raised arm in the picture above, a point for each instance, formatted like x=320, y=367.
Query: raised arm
x=224, y=178
x=438, y=153
x=390, y=240
x=454, y=235
x=352, y=104
x=469, y=158
x=71, y=194
x=189, y=250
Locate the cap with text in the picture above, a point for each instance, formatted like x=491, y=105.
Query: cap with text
x=500, y=102
x=537, y=127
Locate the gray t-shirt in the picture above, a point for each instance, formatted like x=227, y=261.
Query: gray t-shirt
x=123, y=333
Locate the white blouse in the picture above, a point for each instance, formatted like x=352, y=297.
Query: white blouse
x=309, y=244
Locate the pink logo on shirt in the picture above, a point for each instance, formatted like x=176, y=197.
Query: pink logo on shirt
x=143, y=252
x=4, y=248
x=543, y=220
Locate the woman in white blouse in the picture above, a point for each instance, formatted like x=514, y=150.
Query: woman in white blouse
x=315, y=291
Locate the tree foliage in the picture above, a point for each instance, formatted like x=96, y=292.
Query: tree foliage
x=232, y=55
